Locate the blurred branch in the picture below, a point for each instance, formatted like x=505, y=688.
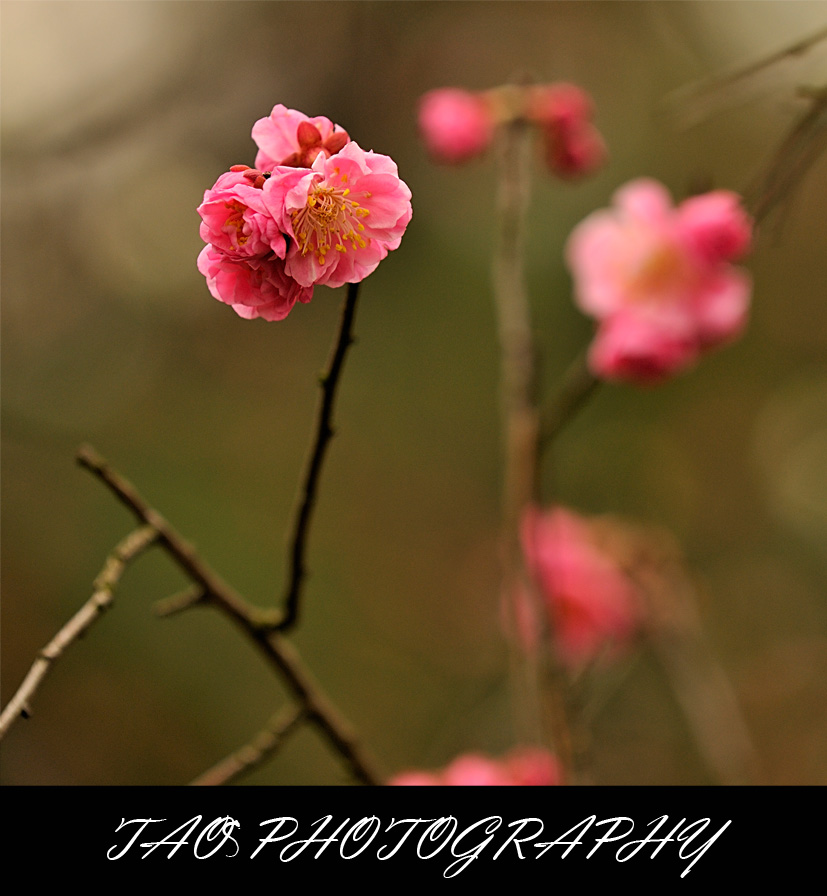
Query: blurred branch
x=539, y=688
x=675, y=631
x=183, y=600
x=692, y=102
x=579, y=383
x=705, y=694
x=255, y=624
x=253, y=754
x=324, y=432
x=104, y=591
x=803, y=144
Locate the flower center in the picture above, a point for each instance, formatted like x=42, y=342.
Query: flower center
x=330, y=220
x=235, y=221
x=659, y=274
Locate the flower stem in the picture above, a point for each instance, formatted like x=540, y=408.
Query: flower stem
x=538, y=699
x=578, y=385
x=324, y=432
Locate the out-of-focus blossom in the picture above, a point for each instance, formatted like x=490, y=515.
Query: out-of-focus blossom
x=236, y=219
x=455, y=124
x=573, y=145
x=289, y=137
x=343, y=215
x=252, y=287
x=660, y=279
x=521, y=766
x=593, y=607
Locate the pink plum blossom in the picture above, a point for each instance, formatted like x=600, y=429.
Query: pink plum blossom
x=288, y=137
x=455, y=124
x=574, y=152
x=659, y=279
x=236, y=220
x=592, y=604
x=573, y=145
x=317, y=209
x=253, y=287
x=532, y=766
x=343, y=215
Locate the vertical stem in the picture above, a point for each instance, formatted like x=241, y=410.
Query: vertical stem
x=323, y=434
x=536, y=707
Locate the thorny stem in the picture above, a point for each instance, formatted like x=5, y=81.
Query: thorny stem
x=104, y=592
x=521, y=434
x=316, y=706
x=254, y=753
x=324, y=432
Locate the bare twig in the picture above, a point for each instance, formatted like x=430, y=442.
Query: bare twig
x=674, y=628
x=693, y=102
x=254, y=753
x=183, y=600
x=255, y=623
x=324, y=432
x=802, y=145
x=104, y=589
x=704, y=692
x=578, y=385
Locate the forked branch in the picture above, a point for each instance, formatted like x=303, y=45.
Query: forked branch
x=255, y=623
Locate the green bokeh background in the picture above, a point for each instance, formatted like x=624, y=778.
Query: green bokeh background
x=116, y=117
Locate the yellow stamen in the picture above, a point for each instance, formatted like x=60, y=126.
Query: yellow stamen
x=328, y=220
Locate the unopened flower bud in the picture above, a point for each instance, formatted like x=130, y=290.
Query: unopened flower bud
x=455, y=124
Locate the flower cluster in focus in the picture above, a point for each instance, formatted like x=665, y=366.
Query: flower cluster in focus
x=593, y=607
x=458, y=125
x=316, y=209
x=521, y=767
x=660, y=279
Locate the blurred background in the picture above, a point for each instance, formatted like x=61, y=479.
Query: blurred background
x=116, y=117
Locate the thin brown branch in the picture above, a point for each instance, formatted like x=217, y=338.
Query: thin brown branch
x=183, y=600
x=324, y=432
x=674, y=628
x=706, y=696
x=578, y=385
x=691, y=103
x=801, y=146
x=255, y=623
x=539, y=697
x=104, y=591
x=254, y=753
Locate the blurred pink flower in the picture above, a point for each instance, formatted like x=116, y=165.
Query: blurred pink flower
x=455, y=124
x=592, y=604
x=236, y=220
x=253, y=287
x=521, y=766
x=288, y=137
x=343, y=215
x=573, y=145
x=659, y=279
